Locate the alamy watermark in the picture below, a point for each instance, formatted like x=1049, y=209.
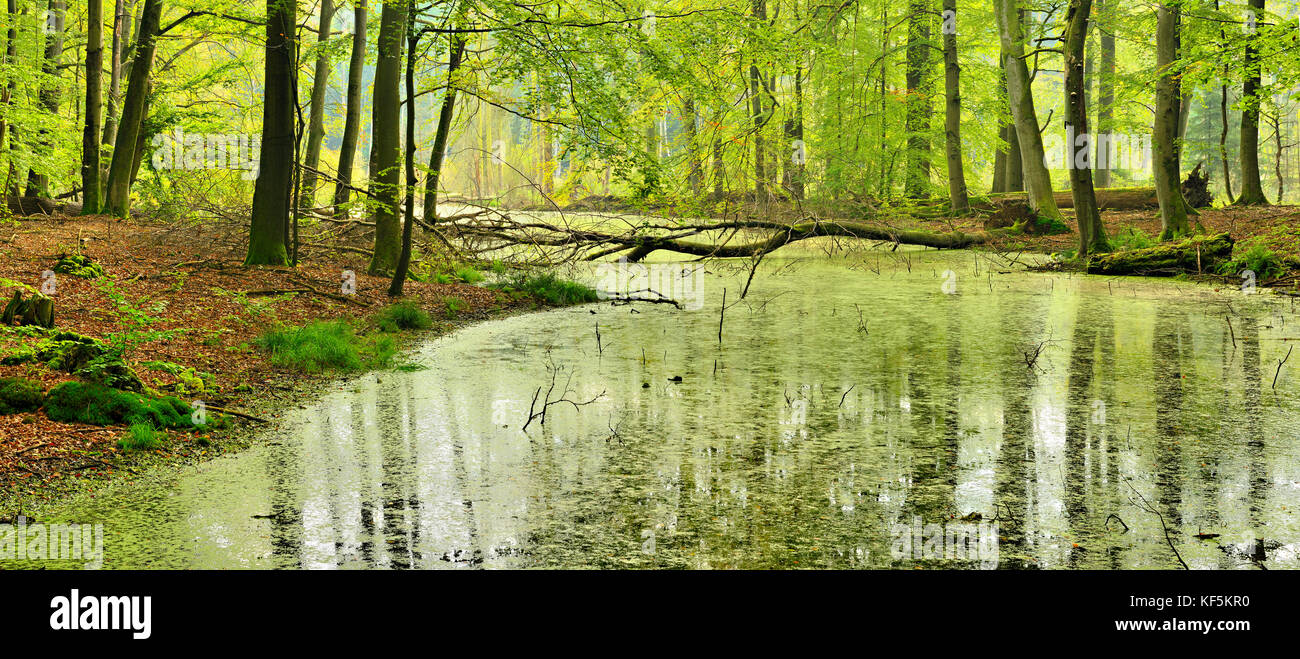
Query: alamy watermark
x=677, y=281
x=1097, y=151
x=194, y=151
x=54, y=542
x=955, y=540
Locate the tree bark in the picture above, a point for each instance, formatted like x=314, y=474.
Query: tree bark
x=1038, y=180
x=37, y=182
x=267, y=243
x=1092, y=235
x=958, y=200
x=352, y=121
x=1105, y=90
x=117, y=199
x=316, y=125
x=90, y=171
x=919, y=108
x=1173, y=211
x=385, y=138
x=1252, y=188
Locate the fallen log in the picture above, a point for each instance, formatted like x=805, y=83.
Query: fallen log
x=1196, y=254
x=1122, y=199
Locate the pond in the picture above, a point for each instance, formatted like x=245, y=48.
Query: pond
x=875, y=410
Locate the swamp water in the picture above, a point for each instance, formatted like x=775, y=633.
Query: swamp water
x=859, y=412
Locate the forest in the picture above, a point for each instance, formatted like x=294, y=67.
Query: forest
x=777, y=284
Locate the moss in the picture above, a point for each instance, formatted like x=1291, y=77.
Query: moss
x=20, y=395
x=78, y=265
x=327, y=346
x=95, y=404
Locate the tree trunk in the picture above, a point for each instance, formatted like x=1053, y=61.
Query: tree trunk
x=1037, y=179
x=758, y=9
x=37, y=182
x=385, y=131
x=694, y=166
x=1252, y=189
x=1105, y=90
x=117, y=198
x=1173, y=211
x=1196, y=254
x=352, y=121
x=1092, y=235
x=316, y=127
x=267, y=244
x=11, y=54
x=90, y=184
x=919, y=108
x=439, y=147
x=958, y=200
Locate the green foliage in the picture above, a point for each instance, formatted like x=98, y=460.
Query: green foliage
x=326, y=345
x=95, y=404
x=141, y=437
x=455, y=305
x=403, y=316
x=468, y=274
x=1132, y=238
x=1255, y=256
x=549, y=288
x=20, y=395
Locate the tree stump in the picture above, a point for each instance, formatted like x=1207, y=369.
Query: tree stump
x=1196, y=188
x=37, y=310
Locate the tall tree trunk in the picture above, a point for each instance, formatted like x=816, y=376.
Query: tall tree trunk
x=117, y=192
x=37, y=182
x=267, y=244
x=919, y=107
x=957, y=197
x=385, y=132
x=1105, y=91
x=90, y=171
x=121, y=34
x=1252, y=189
x=440, y=140
x=316, y=127
x=694, y=172
x=1092, y=235
x=1173, y=211
x=1037, y=179
x=11, y=54
x=352, y=121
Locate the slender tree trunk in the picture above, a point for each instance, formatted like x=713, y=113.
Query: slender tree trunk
x=1173, y=211
x=758, y=9
x=440, y=140
x=694, y=173
x=386, y=131
x=1105, y=92
x=267, y=243
x=121, y=29
x=117, y=198
x=1092, y=235
x=352, y=120
x=957, y=196
x=90, y=170
x=37, y=182
x=1252, y=189
x=316, y=127
x=1037, y=179
x=11, y=54
x=919, y=105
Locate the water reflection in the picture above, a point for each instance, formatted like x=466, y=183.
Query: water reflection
x=1048, y=405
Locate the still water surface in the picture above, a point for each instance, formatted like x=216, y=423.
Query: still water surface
x=848, y=399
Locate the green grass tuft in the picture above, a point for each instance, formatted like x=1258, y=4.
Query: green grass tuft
x=141, y=437
x=550, y=289
x=403, y=316
x=327, y=345
x=1132, y=238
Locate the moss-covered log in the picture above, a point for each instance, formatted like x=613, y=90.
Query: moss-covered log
x=1195, y=254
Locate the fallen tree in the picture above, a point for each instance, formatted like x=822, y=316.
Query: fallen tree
x=486, y=233
x=1196, y=254
x=1107, y=199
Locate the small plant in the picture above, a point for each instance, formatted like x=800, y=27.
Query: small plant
x=455, y=305
x=403, y=316
x=549, y=289
x=498, y=267
x=1132, y=238
x=78, y=265
x=469, y=275
x=141, y=437
x=20, y=395
x=1255, y=256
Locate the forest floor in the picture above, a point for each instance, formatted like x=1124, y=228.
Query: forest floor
x=192, y=280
